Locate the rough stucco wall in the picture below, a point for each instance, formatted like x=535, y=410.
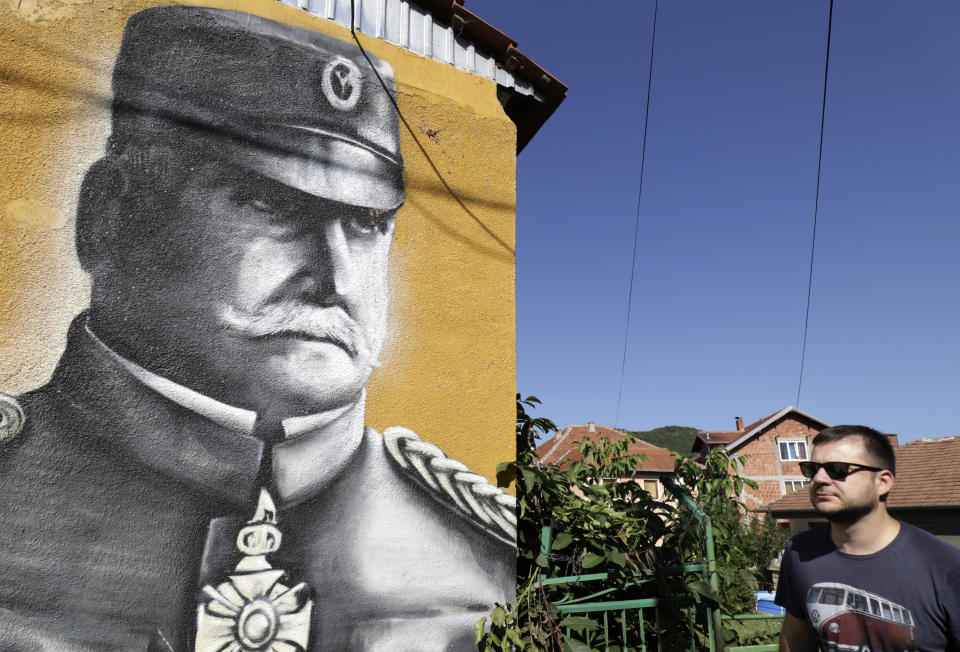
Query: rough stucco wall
x=449, y=364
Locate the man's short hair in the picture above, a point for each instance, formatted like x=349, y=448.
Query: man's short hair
x=875, y=442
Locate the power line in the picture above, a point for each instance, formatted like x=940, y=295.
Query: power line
x=816, y=203
x=393, y=100
x=636, y=231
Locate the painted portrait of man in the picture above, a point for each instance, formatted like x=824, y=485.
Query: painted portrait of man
x=198, y=472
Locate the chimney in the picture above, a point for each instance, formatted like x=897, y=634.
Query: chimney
x=739, y=423
x=591, y=426
x=892, y=438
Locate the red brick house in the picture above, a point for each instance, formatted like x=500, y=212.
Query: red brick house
x=771, y=448
x=563, y=449
x=926, y=492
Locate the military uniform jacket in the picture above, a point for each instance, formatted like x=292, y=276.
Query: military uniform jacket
x=119, y=504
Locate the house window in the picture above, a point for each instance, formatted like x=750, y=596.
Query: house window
x=795, y=449
x=650, y=486
x=793, y=485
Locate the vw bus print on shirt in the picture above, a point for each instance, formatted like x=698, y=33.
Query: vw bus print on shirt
x=848, y=618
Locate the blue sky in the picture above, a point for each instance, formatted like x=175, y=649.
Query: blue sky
x=727, y=209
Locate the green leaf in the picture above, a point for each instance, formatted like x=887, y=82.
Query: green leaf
x=498, y=616
x=579, y=624
x=506, y=473
x=729, y=636
x=699, y=587
x=617, y=558
x=478, y=629
x=591, y=559
x=542, y=561
x=529, y=479
x=573, y=645
x=563, y=540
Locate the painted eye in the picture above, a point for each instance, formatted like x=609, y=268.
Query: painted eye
x=262, y=205
x=251, y=199
x=364, y=225
x=368, y=223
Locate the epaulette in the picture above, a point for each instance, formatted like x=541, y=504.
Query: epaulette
x=11, y=418
x=451, y=483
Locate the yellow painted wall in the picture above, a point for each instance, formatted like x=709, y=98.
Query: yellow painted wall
x=449, y=365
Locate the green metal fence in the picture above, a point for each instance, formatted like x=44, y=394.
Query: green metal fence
x=617, y=614
x=704, y=620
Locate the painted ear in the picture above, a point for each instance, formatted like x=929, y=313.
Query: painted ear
x=99, y=212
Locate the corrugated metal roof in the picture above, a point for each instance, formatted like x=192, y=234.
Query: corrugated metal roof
x=415, y=29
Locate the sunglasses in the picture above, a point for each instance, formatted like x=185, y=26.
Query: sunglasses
x=836, y=470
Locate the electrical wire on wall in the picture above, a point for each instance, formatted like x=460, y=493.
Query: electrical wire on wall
x=816, y=204
x=636, y=231
x=507, y=248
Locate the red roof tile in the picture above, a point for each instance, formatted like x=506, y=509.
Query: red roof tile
x=927, y=476
x=563, y=448
x=720, y=436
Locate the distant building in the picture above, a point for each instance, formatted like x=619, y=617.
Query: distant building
x=926, y=492
x=771, y=448
x=563, y=449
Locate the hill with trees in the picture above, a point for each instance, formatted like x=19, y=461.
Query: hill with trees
x=678, y=439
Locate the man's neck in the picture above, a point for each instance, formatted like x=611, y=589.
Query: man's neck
x=867, y=535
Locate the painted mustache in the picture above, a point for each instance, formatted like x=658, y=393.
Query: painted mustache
x=285, y=318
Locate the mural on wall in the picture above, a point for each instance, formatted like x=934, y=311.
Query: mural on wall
x=197, y=473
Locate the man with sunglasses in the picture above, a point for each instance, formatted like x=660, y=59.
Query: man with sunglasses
x=865, y=581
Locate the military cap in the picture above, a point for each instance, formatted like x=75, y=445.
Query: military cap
x=293, y=105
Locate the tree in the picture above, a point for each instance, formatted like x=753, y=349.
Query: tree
x=603, y=521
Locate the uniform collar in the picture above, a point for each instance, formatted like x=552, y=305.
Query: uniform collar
x=228, y=416
x=194, y=438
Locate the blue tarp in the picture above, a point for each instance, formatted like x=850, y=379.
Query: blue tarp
x=766, y=605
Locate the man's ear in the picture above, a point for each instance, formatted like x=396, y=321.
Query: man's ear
x=885, y=480
x=99, y=212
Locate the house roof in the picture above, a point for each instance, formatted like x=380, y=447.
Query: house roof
x=927, y=476
x=733, y=439
x=717, y=437
x=563, y=447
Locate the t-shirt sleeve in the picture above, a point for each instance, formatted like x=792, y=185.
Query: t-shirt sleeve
x=952, y=608
x=787, y=588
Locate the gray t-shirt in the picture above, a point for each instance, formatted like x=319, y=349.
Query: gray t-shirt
x=903, y=598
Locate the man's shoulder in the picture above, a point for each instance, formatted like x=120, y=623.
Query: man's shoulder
x=449, y=485
x=935, y=549
x=816, y=538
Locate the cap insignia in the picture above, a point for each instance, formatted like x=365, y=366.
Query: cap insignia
x=341, y=83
